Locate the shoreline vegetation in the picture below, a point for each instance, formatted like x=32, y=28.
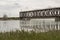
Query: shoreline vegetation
x=9, y=18
x=23, y=35
x=5, y=17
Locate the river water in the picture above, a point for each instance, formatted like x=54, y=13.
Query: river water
x=9, y=25
x=13, y=25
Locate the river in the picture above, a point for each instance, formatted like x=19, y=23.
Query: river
x=9, y=25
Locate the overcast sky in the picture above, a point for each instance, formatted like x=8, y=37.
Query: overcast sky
x=13, y=7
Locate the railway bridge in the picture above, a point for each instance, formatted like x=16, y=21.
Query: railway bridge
x=41, y=20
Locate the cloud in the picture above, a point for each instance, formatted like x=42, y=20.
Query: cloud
x=13, y=7
x=36, y=4
x=9, y=4
x=9, y=7
x=2, y=3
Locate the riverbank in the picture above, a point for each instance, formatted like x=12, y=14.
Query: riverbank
x=22, y=35
x=10, y=18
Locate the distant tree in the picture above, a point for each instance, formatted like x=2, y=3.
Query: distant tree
x=4, y=16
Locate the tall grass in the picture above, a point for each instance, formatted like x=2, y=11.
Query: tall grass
x=22, y=35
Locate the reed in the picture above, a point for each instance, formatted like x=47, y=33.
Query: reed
x=23, y=35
